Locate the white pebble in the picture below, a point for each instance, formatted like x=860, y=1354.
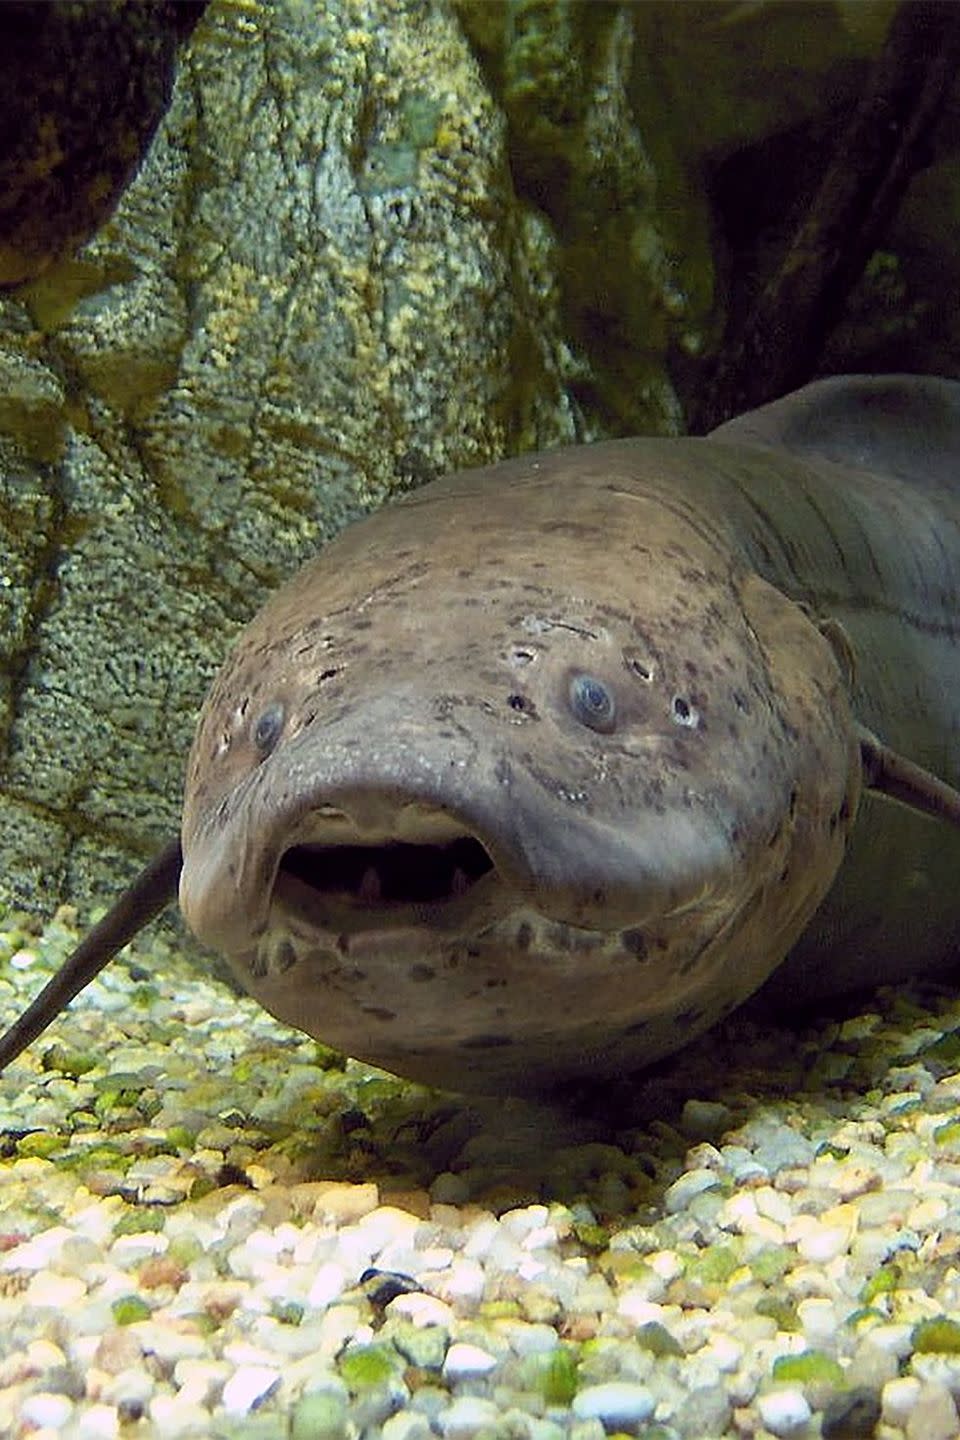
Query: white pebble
x=467, y=1415
x=173, y=1416
x=934, y=1416
x=463, y=1362
x=407, y=1425
x=678, y=1195
x=819, y=1320
x=327, y=1285
x=422, y=1310
x=38, y=1253
x=463, y=1283
x=247, y=1387
x=45, y=1410
x=783, y=1412
x=617, y=1403
x=100, y=1422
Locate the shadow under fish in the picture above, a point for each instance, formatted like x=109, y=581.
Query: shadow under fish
x=540, y=771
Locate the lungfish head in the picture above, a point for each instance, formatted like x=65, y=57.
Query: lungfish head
x=525, y=776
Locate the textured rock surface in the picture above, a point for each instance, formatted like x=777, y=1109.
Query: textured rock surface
x=311, y=296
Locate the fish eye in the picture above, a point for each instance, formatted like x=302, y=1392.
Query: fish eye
x=592, y=703
x=268, y=728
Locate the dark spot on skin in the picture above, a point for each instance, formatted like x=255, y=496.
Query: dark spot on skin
x=598, y=897
x=845, y=810
x=684, y=713
x=422, y=972
x=343, y=944
x=268, y=729
x=378, y=1012
x=593, y=704
x=792, y=803
x=635, y=942
x=522, y=705
x=689, y=1017
x=487, y=1042
x=328, y=674
x=524, y=936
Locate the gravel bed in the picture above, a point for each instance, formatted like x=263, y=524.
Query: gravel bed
x=211, y=1226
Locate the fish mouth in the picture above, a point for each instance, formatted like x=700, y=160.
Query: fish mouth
x=389, y=877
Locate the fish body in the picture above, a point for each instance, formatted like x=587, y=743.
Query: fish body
x=543, y=769
x=540, y=771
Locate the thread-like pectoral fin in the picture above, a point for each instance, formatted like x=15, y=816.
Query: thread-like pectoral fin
x=900, y=779
x=154, y=888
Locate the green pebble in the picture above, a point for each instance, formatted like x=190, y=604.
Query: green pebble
x=68, y=1062
x=947, y=1048
x=881, y=1282
x=184, y=1249
x=39, y=1145
x=368, y=1365
x=936, y=1337
x=288, y=1312
x=178, y=1137
x=591, y=1236
x=424, y=1346
x=714, y=1266
x=130, y=1309
x=808, y=1368
x=139, y=1221
x=319, y=1417
x=771, y=1263
x=558, y=1383
x=779, y=1309
x=657, y=1339
x=948, y=1134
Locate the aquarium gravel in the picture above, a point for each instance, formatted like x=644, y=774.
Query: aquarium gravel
x=213, y=1226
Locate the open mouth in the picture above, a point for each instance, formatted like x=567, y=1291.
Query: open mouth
x=394, y=873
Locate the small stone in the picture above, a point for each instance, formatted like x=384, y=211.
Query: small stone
x=617, y=1404
x=320, y=1417
x=465, y=1362
x=247, y=1387
x=424, y=1346
x=851, y=1415
x=934, y=1416
x=100, y=1422
x=692, y=1183
x=405, y=1426
x=704, y=1412
x=466, y=1416
x=898, y=1399
x=45, y=1411
x=784, y=1412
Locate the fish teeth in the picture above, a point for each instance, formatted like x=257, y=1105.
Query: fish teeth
x=370, y=887
x=459, y=884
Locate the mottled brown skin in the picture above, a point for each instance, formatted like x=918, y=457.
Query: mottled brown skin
x=646, y=880
x=542, y=770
